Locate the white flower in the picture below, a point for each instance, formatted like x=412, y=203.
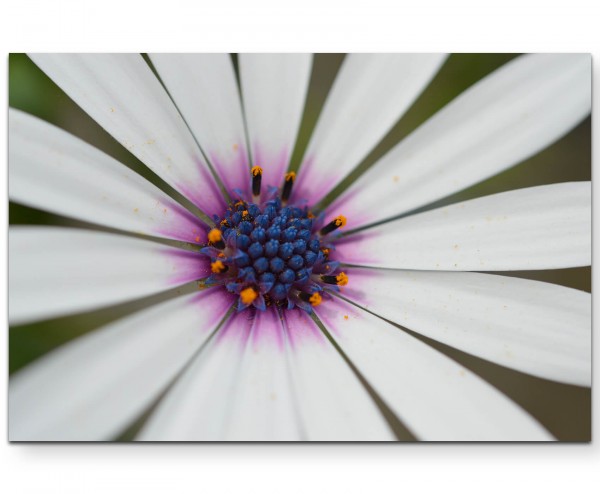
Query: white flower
x=236, y=361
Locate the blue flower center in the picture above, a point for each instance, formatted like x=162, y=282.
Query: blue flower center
x=270, y=252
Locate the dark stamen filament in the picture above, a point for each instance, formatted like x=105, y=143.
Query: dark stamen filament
x=338, y=279
x=287, y=186
x=336, y=223
x=256, y=180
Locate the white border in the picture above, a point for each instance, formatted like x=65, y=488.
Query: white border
x=307, y=25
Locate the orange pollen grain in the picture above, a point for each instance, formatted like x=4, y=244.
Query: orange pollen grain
x=244, y=214
x=214, y=235
x=325, y=251
x=315, y=299
x=290, y=177
x=310, y=215
x=340, y=221
x=197, y=239
x=248, y=295
x=217, y=267
x=256, y=170
x=342, y=279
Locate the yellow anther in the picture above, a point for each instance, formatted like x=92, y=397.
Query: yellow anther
x=340, y=221
x=325, y=251
x=256, y=170
x=217, y=267
x=310, y=215
x=224, y=223
x=244, y=214
x=248, y=295
x=337, y=222
x=239, y=203
x=290, y=177
x=342, y=279
x=215, y=236
x=315, y=299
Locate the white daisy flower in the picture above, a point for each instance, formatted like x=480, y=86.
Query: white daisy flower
x=299, y=331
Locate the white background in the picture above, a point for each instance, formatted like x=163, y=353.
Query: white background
x=306, y=25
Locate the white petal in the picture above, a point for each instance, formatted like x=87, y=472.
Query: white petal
x=197, y=406
x=544, y=227
x=432, y=395
x=205, y=90
x=274, y=89
x=369, y=96
x=122, y=94
x=334, y=406
x=264, y=406
x=505, y=118
x=93, y=387
x=533, y=327
x=51, y=169
x=56, y=271
x=237, y=389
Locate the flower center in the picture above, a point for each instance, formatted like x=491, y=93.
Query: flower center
x=270, y=252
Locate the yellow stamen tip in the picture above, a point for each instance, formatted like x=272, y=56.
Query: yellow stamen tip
x=342, y=279
x=290, y=177
x=340, y=221
x=315, y=299
x=256, y=170
x=248, y=295
x=214, y=235
x=244, y=214
x=217, y=267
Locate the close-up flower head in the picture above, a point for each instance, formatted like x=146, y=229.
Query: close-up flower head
x=269, y=255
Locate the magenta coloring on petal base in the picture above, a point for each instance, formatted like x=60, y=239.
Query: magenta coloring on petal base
x=233, y=170
x=301, y=329
x=274, y=164
x=311, y=187
x=219, y=302
x=236, y=329
x=355, y=292
x=346, y=204
x=187, y=266
x=355, y=249
x=206, y=194
x=267, y=329
x=180, y=224
x=255, y=329
x=336, y=313
x=312, y=192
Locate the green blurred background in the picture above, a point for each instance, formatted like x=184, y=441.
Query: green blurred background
x=564, y=410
